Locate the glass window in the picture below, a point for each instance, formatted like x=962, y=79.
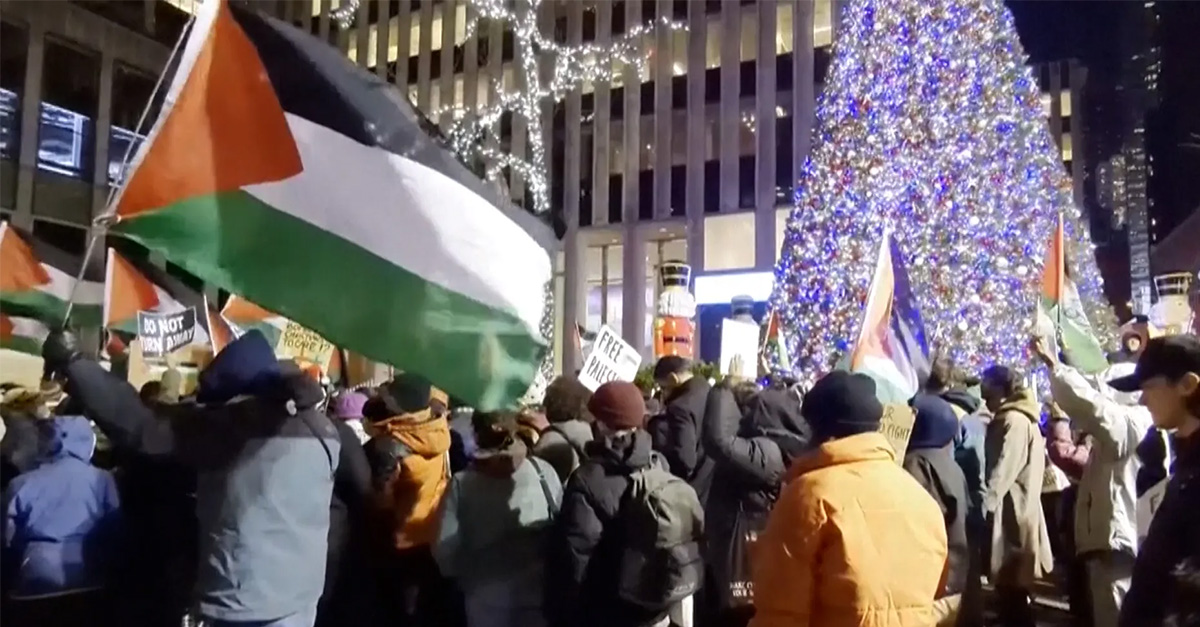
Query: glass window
x=712, y=44
x=70, y=97
x=436, y=28
x=132, y=92
x=712, y=142
x=71, y=239
x=729, y=241
x=414, y=34
x=783, y=29
x=749, y=35
x=679, y=53
x=823, y=23
x=14, y=46
x=458, y=90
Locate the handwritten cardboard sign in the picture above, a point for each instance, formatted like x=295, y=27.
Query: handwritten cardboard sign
x=303, y=344
x=164, y=333
x=897, y=426
x=611, y=359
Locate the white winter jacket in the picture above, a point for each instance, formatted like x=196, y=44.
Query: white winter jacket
x=1106, y=505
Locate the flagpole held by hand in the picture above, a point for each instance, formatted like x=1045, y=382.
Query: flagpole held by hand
x=106, y=218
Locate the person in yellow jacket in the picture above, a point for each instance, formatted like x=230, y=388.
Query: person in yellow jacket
x=854, y=540
x=409, y=454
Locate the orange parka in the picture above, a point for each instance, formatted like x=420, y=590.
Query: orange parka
x=854, y=541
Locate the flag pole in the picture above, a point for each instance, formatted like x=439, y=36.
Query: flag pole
x=102, y=221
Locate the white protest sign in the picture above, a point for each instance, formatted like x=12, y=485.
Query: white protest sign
x=1148, y=504
x=611, y=359
x=739, y=339
x=164, y=333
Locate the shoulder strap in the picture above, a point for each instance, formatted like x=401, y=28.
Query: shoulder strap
x=304, y=417
x=551, y=506
x=578, y=449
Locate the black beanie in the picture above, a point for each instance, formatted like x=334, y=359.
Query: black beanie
x=842, y=404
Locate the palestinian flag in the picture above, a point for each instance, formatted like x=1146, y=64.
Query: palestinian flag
x=131, y=286
x=243, y=315
x=281, y=172
x=1061, y=311
x=773, y=354
x=36, y=280
x=24, y=335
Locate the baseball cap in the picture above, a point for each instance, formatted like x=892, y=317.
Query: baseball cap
x=1172, y=357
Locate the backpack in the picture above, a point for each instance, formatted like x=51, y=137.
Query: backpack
x=662, y=523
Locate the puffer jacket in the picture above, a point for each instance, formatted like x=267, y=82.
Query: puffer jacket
x=62, y=520
x=1016, y=467
x=752, y=452
x=563, y=445
x=410, y=465
x=854, y=541
x=1106, y=505
x=676, y=435
x=256, y=428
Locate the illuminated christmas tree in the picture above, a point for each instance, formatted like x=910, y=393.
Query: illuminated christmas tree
x=930, y=123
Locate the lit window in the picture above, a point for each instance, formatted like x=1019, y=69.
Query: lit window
x=783, y=29
x=712, y=44
x=822, y=23
x=679, y=53
x=749, y=35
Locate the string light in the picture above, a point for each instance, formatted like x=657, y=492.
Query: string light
x=931, y=124
x=571, y=67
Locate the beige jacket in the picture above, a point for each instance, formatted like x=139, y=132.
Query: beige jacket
x=1015, y=469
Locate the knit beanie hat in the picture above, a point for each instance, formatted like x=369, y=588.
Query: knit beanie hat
x=349, y=405
x=618, y=405
x=842, y=404
x=935, y=425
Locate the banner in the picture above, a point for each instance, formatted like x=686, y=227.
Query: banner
x=303, y=344
x=611, y=359
x=164, y=333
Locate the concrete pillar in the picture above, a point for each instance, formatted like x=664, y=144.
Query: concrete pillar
x=632, y=125
x=574, y=297
x=102, y=128
x=602, y=126
x=31, y=98
x=765, y=246
x=803, y=89
x=730, y=121
x=424, y=55
x=633, y=288
x=663, y=116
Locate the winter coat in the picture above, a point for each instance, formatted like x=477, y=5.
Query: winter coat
x=1166, y=581
x=853, y=541
x=969, y=449
x=346, y=557
x=676, y=434
x=265, y=458
x=1016, y=467
x=62, y=520
x=751, y=455
x=586, y=545
x=1155, y=451
x=496, y=518
x=1106, y=501
x=561, y=445
x=410, y=465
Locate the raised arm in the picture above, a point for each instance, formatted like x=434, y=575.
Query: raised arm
x=751, y=457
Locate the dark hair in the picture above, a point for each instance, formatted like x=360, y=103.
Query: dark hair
x=566, y=399
x=495, y=429
x=669, y=365
x=941, y=373
x=150, y=391
x=1006, y=379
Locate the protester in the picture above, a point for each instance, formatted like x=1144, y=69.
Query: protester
x=599, y=564
x=853, y=539
x=265, y=459
x=1067, y=455
x=531, y=423
x=1164, y=588
x=346, y=599
x=930, y=460
x=409, y=455
x=1016, y=466
x=20, y=408
x=563, y=443
x=676, y=432
x=347, y=407
x=751, y=449
x=62, y=531
x=495, y=522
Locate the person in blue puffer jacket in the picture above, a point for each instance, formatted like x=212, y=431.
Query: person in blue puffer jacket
x=62, y=523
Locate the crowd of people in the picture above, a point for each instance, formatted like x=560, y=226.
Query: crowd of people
x=269, y=500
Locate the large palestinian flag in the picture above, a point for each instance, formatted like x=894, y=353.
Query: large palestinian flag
x=244, y=315
x=281, y=172
x=36, y=280
x=24, y=335
x=132, y=285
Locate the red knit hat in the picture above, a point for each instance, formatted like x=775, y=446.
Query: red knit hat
x=618, y=405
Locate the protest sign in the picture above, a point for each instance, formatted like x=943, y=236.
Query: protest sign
x=739, y=348
x=897, y=425
x=1148, y=504
x=303, y=344
x=164, y=333
x=611, y=359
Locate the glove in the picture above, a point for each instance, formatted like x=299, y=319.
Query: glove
x=59, y=350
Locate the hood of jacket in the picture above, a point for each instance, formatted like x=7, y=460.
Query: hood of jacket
x=577, y=432
x=502, y=462
x=962, y=399
x=864, y=447
x=247, y=366
x=422, y=434
x=1023, y=403
x=629, y=452
x=775, y=414
x=66, y=436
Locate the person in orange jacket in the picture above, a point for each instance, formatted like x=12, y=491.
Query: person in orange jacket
x=854, y=540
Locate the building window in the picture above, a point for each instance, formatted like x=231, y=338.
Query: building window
x=132, y=93
x=65, y=237
x=712, y=44
x=783, y=29
x=70, y=97
x=14, y=47
x=749, y=36
x=823, y=23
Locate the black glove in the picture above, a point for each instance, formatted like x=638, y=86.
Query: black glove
x=59, y=350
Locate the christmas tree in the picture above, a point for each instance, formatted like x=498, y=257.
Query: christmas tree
x=930, y=123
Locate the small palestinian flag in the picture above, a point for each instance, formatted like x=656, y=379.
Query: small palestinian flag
x=23, y=335
x=243, y=315
x=281, y=172
x=36, y=280
x=131, y=286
